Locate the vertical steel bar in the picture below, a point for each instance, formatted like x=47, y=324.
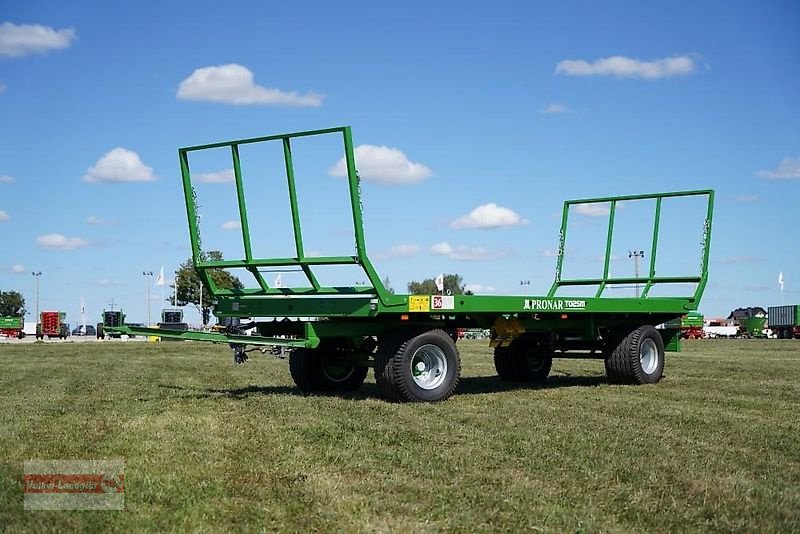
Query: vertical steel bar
x=706, y=248
x=654, y=248
x=355, y=194
x=248, y=251
x=298, y=233
x=562, y=239
x=358, y=222
x=194, y=226
x=191, y=210
x=609, y=238
x=237, y=175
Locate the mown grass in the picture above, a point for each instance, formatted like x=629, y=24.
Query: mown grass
x=210, y=446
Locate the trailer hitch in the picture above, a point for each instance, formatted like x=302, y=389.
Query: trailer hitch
x=239, y=353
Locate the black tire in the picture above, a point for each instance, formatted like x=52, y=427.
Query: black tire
x=638, y=358
x=322, y=369
x=418, y=367
x=522, y=362
x=504, y=363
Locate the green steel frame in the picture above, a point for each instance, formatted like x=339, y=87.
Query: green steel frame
x=302, y=261
x=575, y=322
x=651, y=279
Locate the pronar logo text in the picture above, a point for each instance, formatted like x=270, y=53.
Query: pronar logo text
x=553, y=304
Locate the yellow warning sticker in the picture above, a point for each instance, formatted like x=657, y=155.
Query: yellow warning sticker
x=419, y=303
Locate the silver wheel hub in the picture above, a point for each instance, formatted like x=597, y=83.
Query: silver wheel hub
x=428, y=366
x=648, y=356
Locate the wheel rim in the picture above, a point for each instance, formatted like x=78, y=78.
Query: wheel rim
x=535, y=361
x=648, y=356
x=428, y=366
x=337, y=372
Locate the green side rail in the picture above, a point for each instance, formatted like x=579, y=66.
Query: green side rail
x=651, y=279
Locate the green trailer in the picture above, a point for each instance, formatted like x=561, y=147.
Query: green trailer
x=690, y=325
x=784, y=321
x=12, y=326
x=753, y=327
x=335, y=334
x=110, y=319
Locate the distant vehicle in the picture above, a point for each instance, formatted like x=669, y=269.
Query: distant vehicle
x=753, y=327
x=79, y=331
x=12, y=327
x=51, y=324
x=690, y=325
x=721, y=331
x=784, y=321
x=110, y=319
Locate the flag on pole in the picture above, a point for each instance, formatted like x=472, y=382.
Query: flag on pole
x=780, y=280
x=278, y=281
x=83, y=307
x=160, y=279
x=440, y=282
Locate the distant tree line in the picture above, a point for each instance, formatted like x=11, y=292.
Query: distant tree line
x=453, y=285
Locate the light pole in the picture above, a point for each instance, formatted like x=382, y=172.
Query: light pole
x=36, y=275
x=147, y=275
x=636, y=254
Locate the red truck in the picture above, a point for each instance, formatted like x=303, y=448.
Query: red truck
x=51, y=324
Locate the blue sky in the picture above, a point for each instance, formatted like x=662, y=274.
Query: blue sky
x=473, y=125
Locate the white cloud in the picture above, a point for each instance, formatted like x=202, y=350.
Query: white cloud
x=404, y=251
x=233, y=84
x=442, y=248
x=592, y=210
x=488, y=216
x=4, y=216
x=231, y=225
x=555, y=108
x=94, y=220
x=61, y=242
x=747, y=199
x=105, y=282
x=479, y=288
x=399, y=251
x=2, y=87
x=17, y=269
x=550, y=253
x=6, y=179
x=460, y=252
x=220, y=177
x=119, y=165
x=625, y=67
x=788, y=169
x=383, y=165
x=26, y=39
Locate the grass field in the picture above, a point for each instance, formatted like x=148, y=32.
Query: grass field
x=214, y=447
